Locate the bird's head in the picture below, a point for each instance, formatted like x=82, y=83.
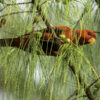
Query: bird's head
x=86, y=36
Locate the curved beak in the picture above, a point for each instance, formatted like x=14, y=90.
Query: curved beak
x=92, y=40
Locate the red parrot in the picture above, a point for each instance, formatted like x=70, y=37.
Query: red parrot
x=23, y=42
x=84, y=36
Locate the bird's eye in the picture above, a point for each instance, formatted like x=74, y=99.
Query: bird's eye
x=89, y=33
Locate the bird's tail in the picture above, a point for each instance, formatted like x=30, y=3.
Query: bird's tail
x=26, y=43
x=9, y=42
x=20, y=42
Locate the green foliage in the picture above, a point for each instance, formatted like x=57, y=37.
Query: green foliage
x=1, y=1
x=28, y=76
x=58, y=0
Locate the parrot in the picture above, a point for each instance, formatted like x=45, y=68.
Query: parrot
x=52, y=41
x=84, y=36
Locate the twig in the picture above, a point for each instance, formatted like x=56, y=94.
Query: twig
x=76, y=91
x=38, y=7
x=79, y=19
x=29, y=11
x=87, y=90
x=49, y=27
x=53, y=31
x=96, y=31
x=43, y=17
x=93, y=82
x=7, y=5
x=20, y=3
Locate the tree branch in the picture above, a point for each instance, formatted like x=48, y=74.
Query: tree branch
x=76, y=91
x=96, y=31
x=87, y=90
x=39, y=9
x=7, y=5
x=20, y=3
x=94, y=83
x=80, y=19
x=13, y=13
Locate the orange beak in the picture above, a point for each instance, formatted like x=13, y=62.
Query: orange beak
x=92, y=40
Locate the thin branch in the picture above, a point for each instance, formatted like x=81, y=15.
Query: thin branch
x=96, y=31
x=7, y=5
x=93, y=83
x=17, y=4
x=49, y=27
x=40, y=12
x=13, y=13
x=44, y=18
x=80, y=19
x=20, y=3
x=76, y=91
x=87, y=90
x=39, y=9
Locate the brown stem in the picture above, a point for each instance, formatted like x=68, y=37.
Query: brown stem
x=29, y=11
x=79, y=19
x=53, y=31
x=44, y=17
x=75, y=93
x=96, y=31
x=94, y=82
x=87, y=90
